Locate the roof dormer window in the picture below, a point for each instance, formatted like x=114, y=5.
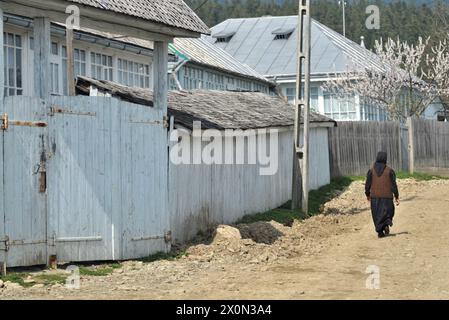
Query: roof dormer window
x=282, y=33
x=223, y=37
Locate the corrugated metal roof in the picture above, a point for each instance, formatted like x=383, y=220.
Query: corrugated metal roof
x=254, y=44
x=173, y=13
x=203, y=52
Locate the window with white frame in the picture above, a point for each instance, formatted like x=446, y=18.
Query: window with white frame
x=194, y=79
x=79, y=65
x=340, y=108
x=13, y=64
x=133, y=74
x=101, y=66
x=54, y=69
x=290, y=93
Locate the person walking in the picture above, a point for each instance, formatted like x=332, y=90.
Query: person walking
x=381, y=189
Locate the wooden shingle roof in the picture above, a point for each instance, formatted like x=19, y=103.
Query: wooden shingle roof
x=173, y=13
x=215, y=109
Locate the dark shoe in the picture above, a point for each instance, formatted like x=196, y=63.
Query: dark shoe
x=380, y=235
x=387, y=230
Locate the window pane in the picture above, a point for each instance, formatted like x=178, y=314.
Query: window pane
x=10, y=39
x=54, y=48
x=18, y=41
x=11, y=68
x=19, y=68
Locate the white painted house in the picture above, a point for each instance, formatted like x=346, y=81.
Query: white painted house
x=268, y=45
x=126, y=60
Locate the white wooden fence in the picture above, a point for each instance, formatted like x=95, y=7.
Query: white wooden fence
x=88, y=178
x=205, y=195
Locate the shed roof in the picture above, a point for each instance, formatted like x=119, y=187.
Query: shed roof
x=173, y=13
x=254, y=44
x=215, y=109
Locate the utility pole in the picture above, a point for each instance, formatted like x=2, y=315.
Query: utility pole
x=300, y=185
x=343, y=4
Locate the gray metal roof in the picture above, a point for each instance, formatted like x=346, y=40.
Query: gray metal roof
x=205, y=53
x=215, y=109
x=173, y=13
x=197, y=50
x=254, y=44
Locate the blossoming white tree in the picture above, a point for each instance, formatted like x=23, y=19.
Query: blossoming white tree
x=404, y=80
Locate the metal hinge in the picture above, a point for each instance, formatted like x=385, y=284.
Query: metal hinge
x=164, y=122
x=57, y=110
x=5, y=242
x=5, y=121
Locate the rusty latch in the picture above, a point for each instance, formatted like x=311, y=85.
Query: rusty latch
x=5, y=121
x=6, y=244
x=168, y=237
x=165, y=120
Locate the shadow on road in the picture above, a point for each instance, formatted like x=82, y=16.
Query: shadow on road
x=398, y=234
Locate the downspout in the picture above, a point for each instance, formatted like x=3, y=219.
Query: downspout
x=175, y=71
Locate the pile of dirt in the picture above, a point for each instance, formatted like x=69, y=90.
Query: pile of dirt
x=267, y=242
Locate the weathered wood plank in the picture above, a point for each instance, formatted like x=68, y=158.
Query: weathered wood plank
x=2, y=62
x=204, y=195
x=354, y=146
x=24, y=206
x=160, y=75
x=42, y=44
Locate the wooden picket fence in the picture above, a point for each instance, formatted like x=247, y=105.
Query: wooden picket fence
x=420, y=145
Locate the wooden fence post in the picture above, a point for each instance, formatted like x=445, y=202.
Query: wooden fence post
x=411, y=146
x=400, y=146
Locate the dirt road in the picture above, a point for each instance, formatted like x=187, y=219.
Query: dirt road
x=324, y=257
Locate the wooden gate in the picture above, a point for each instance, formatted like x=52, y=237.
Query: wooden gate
x=108, y=180
x=83, y=178
x=23, y=213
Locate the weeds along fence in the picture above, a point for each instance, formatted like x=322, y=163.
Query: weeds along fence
x=419, y=145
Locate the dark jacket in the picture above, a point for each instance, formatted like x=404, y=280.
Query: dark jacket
x=378, y=168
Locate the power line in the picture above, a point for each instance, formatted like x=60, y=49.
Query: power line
x=202, y=4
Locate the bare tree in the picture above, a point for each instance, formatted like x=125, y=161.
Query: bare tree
x=404, y=80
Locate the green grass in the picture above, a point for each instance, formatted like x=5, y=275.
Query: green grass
x=317, y=198
x=171, y=256
x=17, y=277
x=96, y=272
x=418, y=176
x=51, y=279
